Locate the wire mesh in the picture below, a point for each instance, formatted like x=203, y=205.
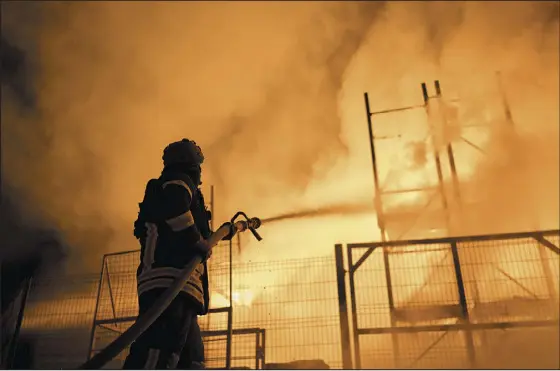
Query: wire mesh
x=423, y=285
x=58, y=318
x=428, y=350
x=245, y=346
x=294, y=302
x=510, y=282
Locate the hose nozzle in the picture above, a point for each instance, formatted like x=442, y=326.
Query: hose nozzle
x=249, y=223
x=254, y=223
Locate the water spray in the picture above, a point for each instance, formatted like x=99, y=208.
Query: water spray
x=145, y=321
x=323, y=211
x=251, y=224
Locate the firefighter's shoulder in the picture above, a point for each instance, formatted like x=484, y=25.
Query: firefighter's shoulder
x=178, y=180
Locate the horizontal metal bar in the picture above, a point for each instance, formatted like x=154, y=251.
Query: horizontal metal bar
x=121, y=253
x=428, y=241
x=219, y=310
x=435, y=249
x=115, y=320
x=427, y=312
x=409, y=190
x=396, y=109
x=239, y=331
x=242, y=331
x=456, y=327
x=133, y=318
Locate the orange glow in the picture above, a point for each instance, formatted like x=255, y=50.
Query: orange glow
x=274, y=96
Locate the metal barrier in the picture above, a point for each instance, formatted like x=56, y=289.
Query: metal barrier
x=437, y=303
x=12, y=318
x=291, y=303
x=57, y=320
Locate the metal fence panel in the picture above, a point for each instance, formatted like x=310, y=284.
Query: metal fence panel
x=439, y=303
x=57, y=320
x=509, y=280
x=293, y=302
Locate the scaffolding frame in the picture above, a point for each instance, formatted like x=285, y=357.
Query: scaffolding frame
x=440, y=187
x=461, y=310
x=379, y=192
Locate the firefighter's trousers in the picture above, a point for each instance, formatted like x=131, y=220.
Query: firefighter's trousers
x=172, y=341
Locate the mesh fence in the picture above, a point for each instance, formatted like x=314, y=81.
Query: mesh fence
x=291, y=303
x=508, y=283
x=57, y=320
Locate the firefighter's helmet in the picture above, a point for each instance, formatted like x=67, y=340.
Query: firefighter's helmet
x=184, y=151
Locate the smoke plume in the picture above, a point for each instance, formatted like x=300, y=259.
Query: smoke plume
x=272, y=93
x=117, y=81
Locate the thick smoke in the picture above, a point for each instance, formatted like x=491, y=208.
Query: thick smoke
x=275, y=103
x=254, y=84
x=273, y=93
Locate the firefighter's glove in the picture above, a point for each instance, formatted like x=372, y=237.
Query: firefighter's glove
x=231, y=233
x=204, y=249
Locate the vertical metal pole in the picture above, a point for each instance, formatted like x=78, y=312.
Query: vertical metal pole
x=343, y=309
x=463, y=303
x=15, y=337
x=507, y=110
x=450, y=154
x=377, y=196
x=258, y=349
x=230, y=311
x=263, y=349
x=356, y=335
x=257, y=345
x=437, y=160
x=92, y=335
x=382, y=227
x=212, y=207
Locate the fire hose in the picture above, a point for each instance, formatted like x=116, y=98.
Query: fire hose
x=146, y=320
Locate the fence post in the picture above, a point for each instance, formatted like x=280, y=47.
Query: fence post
x=463, y=303
x=94, y=324
x=13, y=345
x=343, y=309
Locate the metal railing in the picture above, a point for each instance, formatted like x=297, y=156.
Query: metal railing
x=293, y=302
x=432, y=303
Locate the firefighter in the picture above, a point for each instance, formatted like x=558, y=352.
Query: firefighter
x=172, y=227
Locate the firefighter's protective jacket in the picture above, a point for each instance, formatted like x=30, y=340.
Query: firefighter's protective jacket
x=171, y=220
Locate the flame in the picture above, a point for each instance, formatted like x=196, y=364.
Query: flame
x=241, y=298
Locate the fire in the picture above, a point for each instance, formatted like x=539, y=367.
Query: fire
x=241, y=298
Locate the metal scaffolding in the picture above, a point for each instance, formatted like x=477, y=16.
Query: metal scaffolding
x=440, y=253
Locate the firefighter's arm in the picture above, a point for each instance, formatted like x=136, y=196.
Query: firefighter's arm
x=177, y=197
